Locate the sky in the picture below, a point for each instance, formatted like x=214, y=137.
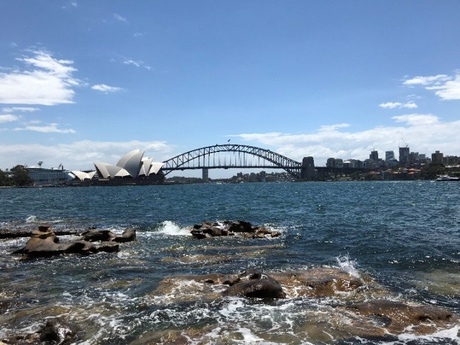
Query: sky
x=85, y=81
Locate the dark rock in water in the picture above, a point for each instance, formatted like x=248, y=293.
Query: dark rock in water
x=108, y=247
x=59, y=332
x=231, y=228
x=94, y=235
x=44, y=243
x=127, y=236
x=257, y=288
x=256, y=284
x=240, y=226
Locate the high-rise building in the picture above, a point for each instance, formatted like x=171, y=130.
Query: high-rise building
x=389, y=155
x=437, y=157
x=374, y=156
x=404, y=156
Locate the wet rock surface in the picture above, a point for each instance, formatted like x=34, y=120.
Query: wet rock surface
x=55, y=331
x=45, y=243
x=361, y=308
x=395, y=316
x=231, y=228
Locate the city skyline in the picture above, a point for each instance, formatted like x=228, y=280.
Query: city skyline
x=83, y=82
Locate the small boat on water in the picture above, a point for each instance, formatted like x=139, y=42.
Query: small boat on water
x=447, y=178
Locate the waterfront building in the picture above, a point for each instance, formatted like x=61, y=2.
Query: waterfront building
x=132, y=167
x=49, y=177
x=330, y=163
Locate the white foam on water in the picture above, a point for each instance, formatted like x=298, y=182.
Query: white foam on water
x=348, y=265
x=170, y=228
x=31, y=219
x=436, y=338
x=250, y=338
x=232, y=308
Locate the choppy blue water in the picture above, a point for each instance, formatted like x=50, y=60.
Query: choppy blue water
x=406, y=235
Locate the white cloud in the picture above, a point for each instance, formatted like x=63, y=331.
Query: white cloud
x=424, y=133
x=106, y=88
x=47, y=81
x=419, y=80
x=79, y=155
x=137, y=63
x=51, y=128
x=119, y=18
x=446, y=87
x=8, y=118
x=133, y=63
x=417, y=119
x=329, y=128
x=450, y=90
x=392, y=105
x=20, y=109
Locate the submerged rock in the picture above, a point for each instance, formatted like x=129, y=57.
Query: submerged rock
x=231, y=228
x=317, y=282
x=396, y=316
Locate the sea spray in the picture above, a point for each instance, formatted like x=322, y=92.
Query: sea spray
x=348, y=265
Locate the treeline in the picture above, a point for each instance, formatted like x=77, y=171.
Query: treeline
x=17, y=177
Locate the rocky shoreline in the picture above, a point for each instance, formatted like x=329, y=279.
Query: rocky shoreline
x=361, y=306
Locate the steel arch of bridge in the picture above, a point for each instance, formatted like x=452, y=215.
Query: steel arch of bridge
x=181, y=162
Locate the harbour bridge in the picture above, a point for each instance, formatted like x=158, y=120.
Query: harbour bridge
x=230, y=156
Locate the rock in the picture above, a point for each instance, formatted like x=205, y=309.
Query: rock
x=317, y=282
x=256, y=284
x=45, y=243
x=55, y=331
x=230, y=228
x=94, y=235
x=240, y=226
x=397, y=316
x=59, y=332
x=108, y=247
x=127, y=236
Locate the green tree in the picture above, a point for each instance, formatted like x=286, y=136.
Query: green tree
x=431, y=171
x=20, y=176
x=4, y=179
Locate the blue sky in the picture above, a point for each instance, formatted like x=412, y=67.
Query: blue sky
x=85, y=81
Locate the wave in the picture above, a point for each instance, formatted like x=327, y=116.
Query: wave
x=170, y=228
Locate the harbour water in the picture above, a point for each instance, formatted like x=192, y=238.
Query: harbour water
x=401, y=239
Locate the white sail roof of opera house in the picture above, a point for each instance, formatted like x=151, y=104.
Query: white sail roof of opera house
x=81, y=175
x=132, y=164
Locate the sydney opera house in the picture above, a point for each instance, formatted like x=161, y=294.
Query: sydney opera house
x=132, y=168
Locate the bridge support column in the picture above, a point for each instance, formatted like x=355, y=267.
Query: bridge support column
x=308, y=168
x=205, y=174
